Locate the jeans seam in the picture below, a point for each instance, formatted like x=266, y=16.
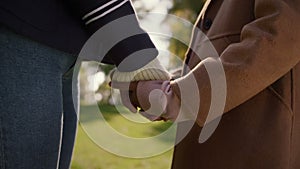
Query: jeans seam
x=2, y=149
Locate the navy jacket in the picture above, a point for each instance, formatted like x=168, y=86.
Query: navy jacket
x=59, y=24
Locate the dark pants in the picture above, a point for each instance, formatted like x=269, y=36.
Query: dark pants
x=37, y=113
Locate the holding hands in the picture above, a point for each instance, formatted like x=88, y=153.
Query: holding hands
x=149, y=91
x=157, y=100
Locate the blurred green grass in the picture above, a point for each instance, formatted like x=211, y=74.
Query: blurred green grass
x=88, y=155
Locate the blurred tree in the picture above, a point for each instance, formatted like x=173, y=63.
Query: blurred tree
x=189, y=10
x=104, y=89
x=193, y=5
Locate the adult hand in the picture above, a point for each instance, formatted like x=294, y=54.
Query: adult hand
x=126, y=82
x=147, y=95
x=157, y=100
x=127, y=94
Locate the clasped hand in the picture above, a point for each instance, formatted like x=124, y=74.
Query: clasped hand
x=156, y=99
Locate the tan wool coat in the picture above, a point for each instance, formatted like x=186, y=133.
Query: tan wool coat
x=258, y=42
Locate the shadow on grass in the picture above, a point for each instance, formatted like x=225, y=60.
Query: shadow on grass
x=162, y=127
x=89, y=113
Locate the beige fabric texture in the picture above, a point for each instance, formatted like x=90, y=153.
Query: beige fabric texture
x=152, y=71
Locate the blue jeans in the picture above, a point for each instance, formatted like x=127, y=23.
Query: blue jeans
x=37, y=115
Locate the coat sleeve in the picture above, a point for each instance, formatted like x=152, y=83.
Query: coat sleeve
x=97, y=13
x=268, y=49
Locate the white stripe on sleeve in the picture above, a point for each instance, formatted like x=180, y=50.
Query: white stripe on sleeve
x=105, y=13
x=98, y=9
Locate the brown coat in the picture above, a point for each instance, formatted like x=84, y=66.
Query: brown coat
x=259, y=45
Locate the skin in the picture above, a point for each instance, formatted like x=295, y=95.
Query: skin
x=155, y=97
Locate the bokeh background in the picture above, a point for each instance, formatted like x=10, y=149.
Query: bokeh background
x=87, y=154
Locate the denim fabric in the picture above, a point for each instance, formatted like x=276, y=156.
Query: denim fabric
x=37, y=116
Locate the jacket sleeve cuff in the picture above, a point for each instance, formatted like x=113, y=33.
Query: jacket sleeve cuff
x=96, y=14
x=151, y=71
x=194, y=93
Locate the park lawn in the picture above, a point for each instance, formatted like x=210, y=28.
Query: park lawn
x=89, y=155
